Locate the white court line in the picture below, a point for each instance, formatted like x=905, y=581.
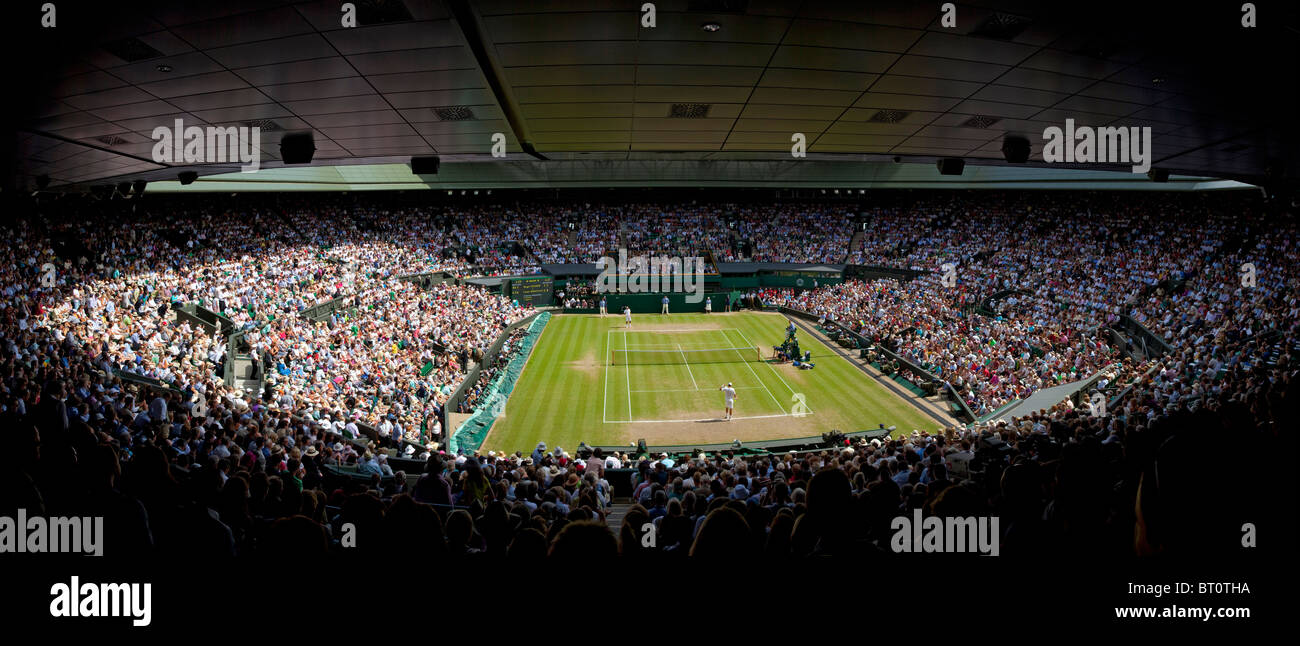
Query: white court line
x=669, y=344
x=666, y=344
x=689, y=390
x=774, y=370
x=756, y=377
x=706, y=419
x=688, y=369
x=604, y=401
x=657, y=331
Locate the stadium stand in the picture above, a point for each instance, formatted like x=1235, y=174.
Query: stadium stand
x=114, y=371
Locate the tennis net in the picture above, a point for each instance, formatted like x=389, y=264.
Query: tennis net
x=633, y=357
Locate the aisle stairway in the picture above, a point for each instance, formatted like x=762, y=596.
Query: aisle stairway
x=616, y=512
x=856, y=243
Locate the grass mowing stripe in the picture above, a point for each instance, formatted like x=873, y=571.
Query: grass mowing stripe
x=627, y=368
x=604, y=417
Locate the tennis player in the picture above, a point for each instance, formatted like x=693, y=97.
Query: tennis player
x=627, y=316
x=729, y=394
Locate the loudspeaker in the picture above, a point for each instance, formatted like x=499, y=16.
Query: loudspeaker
x=187, y=177
x=42, y=181
x=425, y=165
x=124, y=189
x=297, y=148
x=1015, y=150
x=137, y=187
x=951, y=166
x=1158, y=175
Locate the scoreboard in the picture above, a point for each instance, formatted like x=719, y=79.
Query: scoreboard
x=536, y=290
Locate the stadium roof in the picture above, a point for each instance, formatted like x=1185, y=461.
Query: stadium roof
x=568, y=82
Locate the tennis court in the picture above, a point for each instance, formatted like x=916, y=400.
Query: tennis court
x=674, y=375
x=575, y=388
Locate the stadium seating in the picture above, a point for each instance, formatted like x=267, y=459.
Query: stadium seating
x=354, y=367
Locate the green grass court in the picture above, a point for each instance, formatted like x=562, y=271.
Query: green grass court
x=590, y=379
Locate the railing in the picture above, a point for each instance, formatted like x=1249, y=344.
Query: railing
x=1114, y=401
x=1151, y=343
x=986, y=305
x=873, y=272
x=235, y=354
x=322, y=311
x=428, y=279
x=147, y=382
x=204, y=317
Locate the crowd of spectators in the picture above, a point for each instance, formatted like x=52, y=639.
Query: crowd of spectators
x=190, y=465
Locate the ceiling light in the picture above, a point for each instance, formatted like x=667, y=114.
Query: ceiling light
x=1157, y=81
x=711, y=26
x=164, y=68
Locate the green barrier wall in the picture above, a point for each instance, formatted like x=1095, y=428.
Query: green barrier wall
x=805, y=282
x=471, y=433
x=653, y=303
x=749, y=282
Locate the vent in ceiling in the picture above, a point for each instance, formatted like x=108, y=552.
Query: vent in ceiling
x=980, y=122
x=689, y=110
x=375, y=12
x=718, y=6
x=266, y=125
x=111, y=140
x=454, y=113
x=889, y=116
x=131, y=50
x=1002, y=26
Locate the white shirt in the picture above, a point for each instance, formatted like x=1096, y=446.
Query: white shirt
x=730, y=394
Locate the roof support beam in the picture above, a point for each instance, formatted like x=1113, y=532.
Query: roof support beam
x=471, y=25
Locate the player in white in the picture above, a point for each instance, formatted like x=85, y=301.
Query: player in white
x=729, y=394
x=627, y=316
